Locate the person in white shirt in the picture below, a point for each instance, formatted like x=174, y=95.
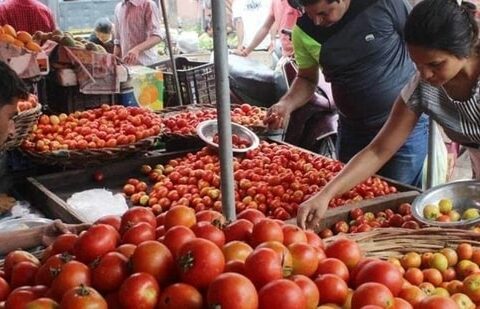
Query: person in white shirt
x=247, y=16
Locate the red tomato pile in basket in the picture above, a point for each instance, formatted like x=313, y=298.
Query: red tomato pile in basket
x=105, y=127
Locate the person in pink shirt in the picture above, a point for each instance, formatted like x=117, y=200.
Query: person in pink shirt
x=281, y=16
x=137, y=31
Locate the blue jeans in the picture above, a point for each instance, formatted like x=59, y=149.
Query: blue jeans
x=405, y=166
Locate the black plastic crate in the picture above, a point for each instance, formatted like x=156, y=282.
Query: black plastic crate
x=197, y=82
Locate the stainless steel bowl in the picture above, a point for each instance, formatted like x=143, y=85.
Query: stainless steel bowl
x=206, y=130
x=464, y=195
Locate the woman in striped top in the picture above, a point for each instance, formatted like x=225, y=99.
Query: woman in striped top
x=442, y=39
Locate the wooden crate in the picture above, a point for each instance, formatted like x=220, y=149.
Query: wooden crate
x=51, y=191
x=380, y=203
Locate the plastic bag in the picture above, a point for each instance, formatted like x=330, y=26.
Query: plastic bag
x=91, y=205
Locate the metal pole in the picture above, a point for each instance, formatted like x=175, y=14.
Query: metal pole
x=432, y=147
x=220, y=52
x=170, y=52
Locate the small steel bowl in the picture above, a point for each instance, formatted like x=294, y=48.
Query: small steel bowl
x=464, y=195
x=206, y=130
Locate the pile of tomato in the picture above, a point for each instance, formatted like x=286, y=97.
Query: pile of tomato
x=29, y=103
x=238, y=142
x=104, y=127
x=186, y=122
x=183, y=259
x=361, y=221
x=274, y=179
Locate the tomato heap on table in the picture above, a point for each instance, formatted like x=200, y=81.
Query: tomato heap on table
x=105, y=127
x=186, y=122
x=183, y=259
x=274, y=179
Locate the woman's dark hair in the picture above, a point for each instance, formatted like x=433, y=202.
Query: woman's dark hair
x=103, y=25
x=443, y=25
x=11, y=86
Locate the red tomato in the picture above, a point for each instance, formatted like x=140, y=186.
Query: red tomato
x=208, y=231
x=126, y=250
x=175, y=237
x=333, y=289
x=135, y=215
x=95, y=242
x=305, y=259
x=110, y=271
x=140, y=290
x=281, y=294
x=333, y=266
x=266, y=230
x=210, y=216
x=372, y=293
x=309, y=289
x=139, y=233
x=180, y=295
x=42, y=303
x=199, y=262
x=252, y=215
x=401, y=304
x=355, y=213
x=64, y=243
x=436, y=302
x=382, y=272
x=345, y=250
x=293, y=234
x=314, y=239
x=472, y=287
x=19, y=298
x=240, y=229
x=232, y=290
x=71, y=275
x=263, y=266
x=236, y=250
x=23, y=273
x=4, y=289
x=112, y=220
x=180, y=215
x=83, y=297
x=155, y=259
x=15, y=257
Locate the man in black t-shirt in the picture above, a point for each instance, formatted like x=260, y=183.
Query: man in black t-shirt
x=364, y=57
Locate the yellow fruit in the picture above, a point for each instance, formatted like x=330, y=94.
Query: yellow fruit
x=6, y=38
x=33, y=47
x=10, y=30
x=24, y=36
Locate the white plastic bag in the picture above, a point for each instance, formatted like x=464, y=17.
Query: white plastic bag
x=91, y=205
